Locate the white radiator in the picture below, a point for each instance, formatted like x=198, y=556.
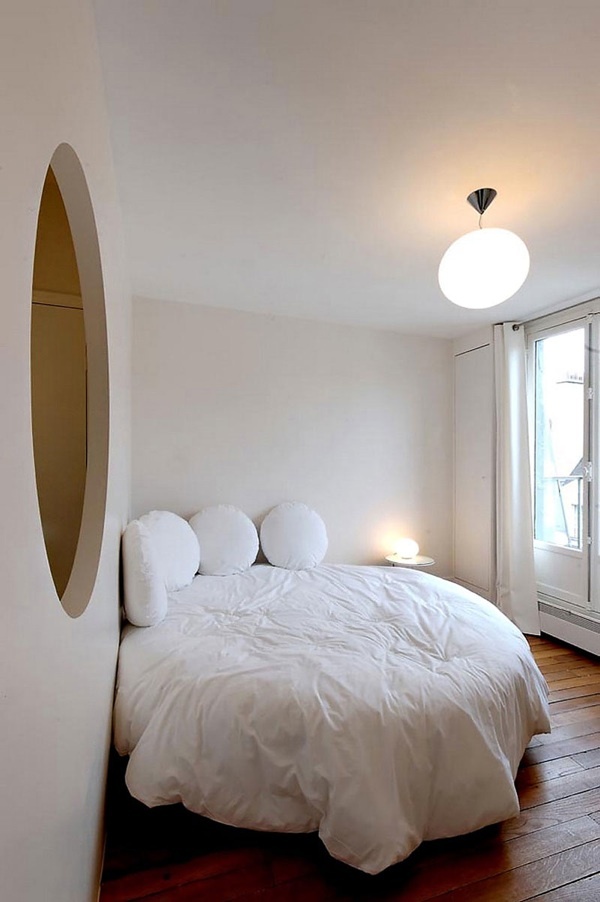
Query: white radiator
x=576, y=629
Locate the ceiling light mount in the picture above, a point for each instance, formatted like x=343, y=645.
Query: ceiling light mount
x=481, y=199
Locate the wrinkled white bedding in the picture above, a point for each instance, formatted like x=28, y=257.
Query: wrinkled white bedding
x=380, y=706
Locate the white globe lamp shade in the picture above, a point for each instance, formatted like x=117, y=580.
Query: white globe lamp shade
x=407, y=549
x=483, y=268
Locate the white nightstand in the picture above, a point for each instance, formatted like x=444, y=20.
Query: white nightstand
x=420, y=560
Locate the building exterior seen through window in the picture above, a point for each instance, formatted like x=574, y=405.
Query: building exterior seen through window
x=559, y=438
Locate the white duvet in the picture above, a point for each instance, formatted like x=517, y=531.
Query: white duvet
x=380, y=706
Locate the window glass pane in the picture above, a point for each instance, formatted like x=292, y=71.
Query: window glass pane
x=559, y=438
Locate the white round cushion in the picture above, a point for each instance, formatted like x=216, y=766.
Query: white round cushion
x=293, y=536
x=145, y=598
x=228, y=540
x=176, y=547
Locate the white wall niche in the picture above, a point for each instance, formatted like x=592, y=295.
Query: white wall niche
x=75, y=589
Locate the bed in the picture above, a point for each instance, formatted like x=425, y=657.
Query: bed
x=378, y=706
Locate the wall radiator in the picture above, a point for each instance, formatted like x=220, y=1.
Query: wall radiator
x=570, y=627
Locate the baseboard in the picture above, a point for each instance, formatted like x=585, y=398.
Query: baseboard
x=485, y=593
x=569, y=627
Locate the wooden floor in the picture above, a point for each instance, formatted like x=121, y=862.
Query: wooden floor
x=550, y=852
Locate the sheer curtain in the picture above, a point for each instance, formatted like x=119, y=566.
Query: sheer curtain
x=516, y=593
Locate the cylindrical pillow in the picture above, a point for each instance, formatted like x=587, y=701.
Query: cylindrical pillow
x=176, y=547
x=293, y=536
x=145, y=592
x=228, y=540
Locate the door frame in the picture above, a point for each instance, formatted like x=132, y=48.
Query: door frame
x=588, y=317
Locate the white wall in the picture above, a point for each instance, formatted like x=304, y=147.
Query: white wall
x=251, y=410
x=56, y=673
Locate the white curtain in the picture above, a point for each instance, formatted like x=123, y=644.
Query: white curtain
x=516, y=593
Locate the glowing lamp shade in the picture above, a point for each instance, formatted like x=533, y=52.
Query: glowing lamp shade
x=484, y=268
x=407, y=548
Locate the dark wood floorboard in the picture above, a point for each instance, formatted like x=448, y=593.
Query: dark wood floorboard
x=549, y=852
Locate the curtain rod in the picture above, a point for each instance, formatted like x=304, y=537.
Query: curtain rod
x=535, y=319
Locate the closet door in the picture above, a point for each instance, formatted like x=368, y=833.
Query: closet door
x=474, y=474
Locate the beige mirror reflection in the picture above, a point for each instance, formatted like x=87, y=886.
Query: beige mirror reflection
x=58, y=384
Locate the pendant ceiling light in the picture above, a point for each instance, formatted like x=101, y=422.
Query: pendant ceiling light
x=486, y=266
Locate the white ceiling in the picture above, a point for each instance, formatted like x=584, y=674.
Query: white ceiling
x=312, y=157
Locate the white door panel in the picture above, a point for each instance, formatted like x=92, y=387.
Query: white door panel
x=474, y=486
x=561, y=577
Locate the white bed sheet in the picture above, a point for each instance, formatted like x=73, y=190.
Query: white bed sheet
x=380, y=706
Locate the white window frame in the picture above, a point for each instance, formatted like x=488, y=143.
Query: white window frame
x=586, y=314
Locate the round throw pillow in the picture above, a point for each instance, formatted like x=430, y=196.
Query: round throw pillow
x=176, y=547
x=145, y=595
x=293, y=536
x=228, y=540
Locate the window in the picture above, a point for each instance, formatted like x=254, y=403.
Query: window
x=564, y=417
x=559, y=438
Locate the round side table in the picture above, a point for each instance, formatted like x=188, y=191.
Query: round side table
x=420, y=560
